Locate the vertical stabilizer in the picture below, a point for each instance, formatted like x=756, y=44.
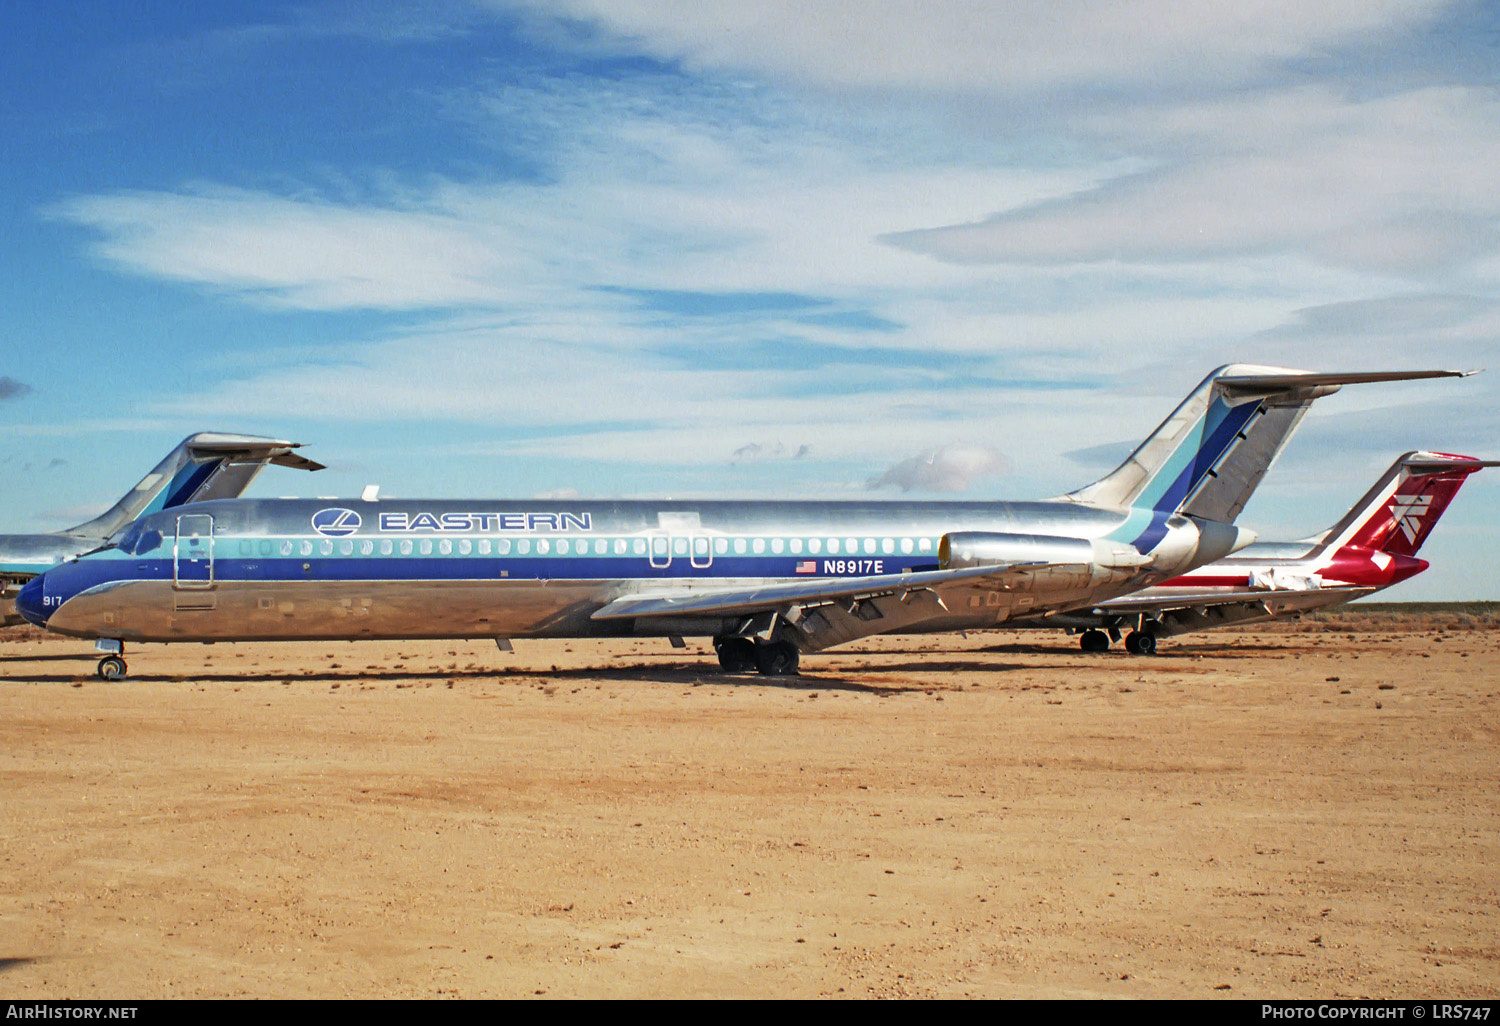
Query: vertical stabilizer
x=1400, y=511
x=1206, y=459
x=208, y=465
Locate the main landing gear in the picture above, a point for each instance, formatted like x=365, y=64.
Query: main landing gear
x=778, y=658
x=1137, y=642
x=1094, y=641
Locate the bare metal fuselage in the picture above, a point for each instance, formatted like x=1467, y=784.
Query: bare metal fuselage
x=305, y=569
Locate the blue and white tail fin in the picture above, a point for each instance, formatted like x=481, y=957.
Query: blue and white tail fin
x=1205, y=460
x=208, y=465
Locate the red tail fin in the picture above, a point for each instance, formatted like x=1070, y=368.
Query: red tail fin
x=1400, y=523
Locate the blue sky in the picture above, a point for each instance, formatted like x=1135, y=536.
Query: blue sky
x=744, y=249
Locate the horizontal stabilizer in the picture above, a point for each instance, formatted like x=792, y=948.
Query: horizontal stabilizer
x=1430, y=463
x=251, y=448
x=1272, y=382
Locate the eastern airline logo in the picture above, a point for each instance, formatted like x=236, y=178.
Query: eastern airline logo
x=1409, y=514
x=335, y=523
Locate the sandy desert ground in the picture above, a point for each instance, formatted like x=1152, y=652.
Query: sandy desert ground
x=1295, y=812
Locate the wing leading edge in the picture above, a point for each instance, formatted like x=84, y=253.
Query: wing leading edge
x=765, y=598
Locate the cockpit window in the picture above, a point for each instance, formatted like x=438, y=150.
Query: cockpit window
x=137, y=540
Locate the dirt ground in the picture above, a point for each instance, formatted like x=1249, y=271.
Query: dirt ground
x=1276, y=813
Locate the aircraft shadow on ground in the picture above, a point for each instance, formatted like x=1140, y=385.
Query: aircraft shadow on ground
x=14, y=963
x=702, y=675
x=48, y=658
x=960, y=666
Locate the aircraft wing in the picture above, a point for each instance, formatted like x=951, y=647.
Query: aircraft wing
x=760, y=598
x=1289, y=598
x=1201, y=611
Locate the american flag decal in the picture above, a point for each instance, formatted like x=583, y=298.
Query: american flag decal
x=807, y=566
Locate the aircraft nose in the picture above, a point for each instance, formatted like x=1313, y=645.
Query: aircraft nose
x=29, y=602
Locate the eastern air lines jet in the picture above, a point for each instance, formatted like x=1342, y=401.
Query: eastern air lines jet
x=208, y=465
x=768, y=581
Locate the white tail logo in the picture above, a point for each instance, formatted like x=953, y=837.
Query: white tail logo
x=1409, y=514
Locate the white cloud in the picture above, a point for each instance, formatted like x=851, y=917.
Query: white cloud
x=951, y=468
x=1121, y=247
x=1406, y=184
x=997, y=46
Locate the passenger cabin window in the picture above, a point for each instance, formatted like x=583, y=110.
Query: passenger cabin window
x=796, y=546
x=759, y=546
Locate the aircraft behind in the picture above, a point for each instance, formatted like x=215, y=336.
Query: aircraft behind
x=207, y=465
x=767, y=581
x=1371, y=548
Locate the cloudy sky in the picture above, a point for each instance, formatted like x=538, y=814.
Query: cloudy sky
x=820, y=249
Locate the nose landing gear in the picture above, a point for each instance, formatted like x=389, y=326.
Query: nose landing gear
x=112, y=668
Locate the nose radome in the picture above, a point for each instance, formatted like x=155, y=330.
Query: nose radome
x=29, y=603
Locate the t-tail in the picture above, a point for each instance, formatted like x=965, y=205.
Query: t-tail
x=207, y=465
x=1400, y=511
x=1206, y=459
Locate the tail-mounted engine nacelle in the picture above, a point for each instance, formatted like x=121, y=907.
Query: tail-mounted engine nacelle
x=1062, y=561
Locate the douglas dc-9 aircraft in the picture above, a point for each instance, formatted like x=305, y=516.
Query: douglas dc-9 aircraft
x=208, y=465
x=1373, y=547
x=767, y=581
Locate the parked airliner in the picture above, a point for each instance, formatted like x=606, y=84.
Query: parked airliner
x=768, y=581
x=1371, y=548
x=207, y=465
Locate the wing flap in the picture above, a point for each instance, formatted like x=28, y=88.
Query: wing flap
x=760, y=598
